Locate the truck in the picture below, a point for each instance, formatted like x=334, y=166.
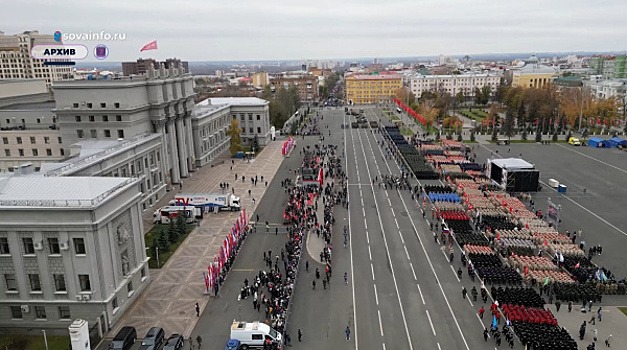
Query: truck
x=254, y=334
x=574, y=141
x=169, y=213
x=208, y=201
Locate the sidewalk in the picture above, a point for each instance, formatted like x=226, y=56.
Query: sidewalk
x=169, y=300
x=614, y=323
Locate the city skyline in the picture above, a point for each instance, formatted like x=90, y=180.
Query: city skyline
x=328, y=30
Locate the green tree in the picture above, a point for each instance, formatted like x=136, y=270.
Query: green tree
x=478, y=96
x=181, y=226
x=508, y=124
x=495, y=133
x=486, y=93
x=173, y=233
x=163, y=240
x=236, y=140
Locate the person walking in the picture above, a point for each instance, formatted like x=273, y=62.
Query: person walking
x=300, y=335
x=346, y=277
x=464, y=292
x=485, y=334
x=348, y=333
x=557, y=305
x=199, y=341
x=599, y=314
x=481, y=312
x=197, y=308
x=307, y=265
x=313, y=284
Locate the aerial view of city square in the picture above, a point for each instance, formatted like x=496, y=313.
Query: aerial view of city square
x=354, y=175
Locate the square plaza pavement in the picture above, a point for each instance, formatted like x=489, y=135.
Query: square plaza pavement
x=169, y=299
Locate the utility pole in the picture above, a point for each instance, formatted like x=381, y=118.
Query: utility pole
x=45, y=338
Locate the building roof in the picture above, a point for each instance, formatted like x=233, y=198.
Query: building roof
x=536, y=69
x=46, y=105
x=452, y=76
x=233, y=101
x=375, y=77
x=39, y=191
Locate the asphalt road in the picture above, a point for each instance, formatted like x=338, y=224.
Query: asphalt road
x=600, y=211
x=402, y=291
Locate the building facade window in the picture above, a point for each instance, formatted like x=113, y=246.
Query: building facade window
x=118, y=118
x=16, y=312
x=103, y=105
x=116, y=104
x=10, y=281
x=59, y=283
x=32, y=140
x=107, y=133
x=35, y=282
x=46, y=139
x=4, y=246
x=94, y=133
x=84, y=283
x=20, y=152
x=120, y=134
x=7, y=152
x=80, y=134
x=64, y=313
x=53, y=245
x=35, y=152
x=48, y=152
x=29, y=247
x=5, y=140
x=40, y=312
x=79, y=246
x=77, y=118
x=19, y=140
x=105, y=118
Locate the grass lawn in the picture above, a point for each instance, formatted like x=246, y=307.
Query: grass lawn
x=163, y=256
x=623, y=309
x=468, y=141
x=35, y=342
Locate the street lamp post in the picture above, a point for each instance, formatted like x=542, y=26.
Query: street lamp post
x=45, y=338
x=157, y=251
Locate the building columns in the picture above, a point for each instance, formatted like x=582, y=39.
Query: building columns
x=191, y=155
x=165, y=159
x=182, y=148
x=173, y=154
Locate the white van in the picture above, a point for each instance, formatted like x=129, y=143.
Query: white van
x=254, y=334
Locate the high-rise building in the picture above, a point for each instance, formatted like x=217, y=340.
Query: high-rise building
x=16, y=61
x=366, y=89
x=142, y=65
x=261, y=80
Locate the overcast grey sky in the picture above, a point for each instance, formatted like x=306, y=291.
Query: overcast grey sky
x=198, y=30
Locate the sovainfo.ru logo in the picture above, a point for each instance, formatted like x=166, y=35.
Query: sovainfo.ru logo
x=88, y=36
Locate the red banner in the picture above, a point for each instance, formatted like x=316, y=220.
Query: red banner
x=411, y=112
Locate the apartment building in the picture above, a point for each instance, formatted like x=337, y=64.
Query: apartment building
x=367, y=89
x=307, y=85
x=453, y=84
x=16, y=61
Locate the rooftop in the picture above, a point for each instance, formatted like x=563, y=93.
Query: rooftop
x=375, y=77
x=47, y=106
x=39, y=191
x=233, y=101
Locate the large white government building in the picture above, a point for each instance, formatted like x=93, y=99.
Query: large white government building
x=70, y=248
x=71, y=235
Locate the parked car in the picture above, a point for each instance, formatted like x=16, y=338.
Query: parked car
x=174, y=342
x=232, y=344
x=574, y=141
x=124, y=339
x=153, y=340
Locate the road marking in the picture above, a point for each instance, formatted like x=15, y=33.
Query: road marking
x=363, y=211
x=468, y=298
x=351, y=246
x=368, y=238
x=450, y=309
x=596, y=160
x=396, y=222
x=387, y=249
x=383, y=346
x=421, y=297
x=362, y=201
x=380, y=323
x=455, y=273
x=587, y=210
x=412, y=271
x=439, y=348
x=376, y=296
x=430, y=322
x=406, y=252
x=401, y=235
x=372, y=269
x=365, y=224
x=392, y=209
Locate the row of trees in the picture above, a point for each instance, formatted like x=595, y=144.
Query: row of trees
x=283, y=103
x=329, y=83
x=166, y=235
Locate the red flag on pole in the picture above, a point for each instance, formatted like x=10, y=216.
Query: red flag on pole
x=150, y=46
